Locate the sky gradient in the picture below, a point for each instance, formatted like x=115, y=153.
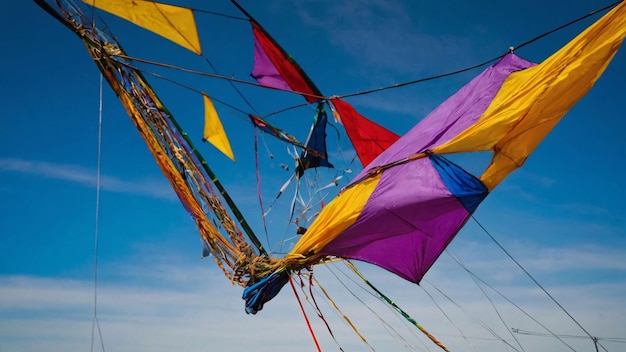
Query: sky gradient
x=561, y=216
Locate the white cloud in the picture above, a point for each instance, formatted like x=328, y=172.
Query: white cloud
x=167, y=303
x=87, y=177
x=542, y=259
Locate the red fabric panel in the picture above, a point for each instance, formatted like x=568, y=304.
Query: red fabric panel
x=368, y=138
x=284, y=64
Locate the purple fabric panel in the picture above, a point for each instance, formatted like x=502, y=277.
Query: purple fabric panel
x=405, y=225
x=454, y=115
x=264, y=70
x=411, y=216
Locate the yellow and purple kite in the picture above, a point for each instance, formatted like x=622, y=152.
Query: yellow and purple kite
x=409, y=202
x=406, y=206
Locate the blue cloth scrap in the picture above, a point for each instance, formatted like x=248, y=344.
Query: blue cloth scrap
x=263, y=291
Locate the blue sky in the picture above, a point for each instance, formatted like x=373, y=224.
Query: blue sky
x=561, y=215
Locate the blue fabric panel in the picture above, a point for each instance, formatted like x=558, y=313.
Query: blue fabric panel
x=463, y=185
x=317, y=142
x=259, y=293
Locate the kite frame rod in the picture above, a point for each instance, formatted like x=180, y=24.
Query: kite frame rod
x=246, y=227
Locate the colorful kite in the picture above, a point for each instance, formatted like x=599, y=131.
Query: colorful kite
x=406, y=206
x=408, y=203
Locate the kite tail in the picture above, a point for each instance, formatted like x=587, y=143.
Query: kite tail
x=398, y=309
x=308, y=323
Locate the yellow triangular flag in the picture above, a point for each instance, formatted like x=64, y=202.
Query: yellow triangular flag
x=171, y=22
x=214, y=131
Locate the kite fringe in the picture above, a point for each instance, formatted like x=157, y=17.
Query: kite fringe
x=345, y=317
x=396, y=307
x=318, y=311
x=306, y=318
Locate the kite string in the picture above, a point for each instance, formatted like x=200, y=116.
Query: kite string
x=477, y=280
x=396, y=307
x=397, y=85
x=531, y=277
x=258, y=185
x=212, y=75
x=568, y=24
x=95, y=322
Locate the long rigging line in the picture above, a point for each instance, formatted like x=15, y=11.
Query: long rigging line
x=232, y=84
x=475, y=319
x=95, y=324
x=531, y=277
x=195, y=9
x=190, y=88
x=432, y=298
x=397, y=336
x=212, y=75
x=534, y=333
x=493, y=305
x=530, y=333
x=397, y=85
x=472, y=274
x=568, y=24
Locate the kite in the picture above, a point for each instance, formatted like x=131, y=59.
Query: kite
x=409, y=201
x=406, y=206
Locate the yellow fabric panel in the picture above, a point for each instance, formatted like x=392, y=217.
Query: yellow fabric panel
x=172, y=22
x=531, y=102
x=214, y=131
x=337, y=216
